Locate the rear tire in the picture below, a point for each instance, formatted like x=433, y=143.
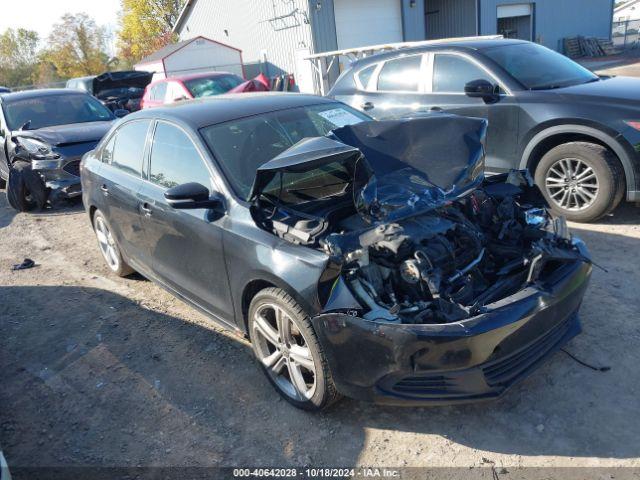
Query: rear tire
x=581, y=181
x=289, y=352
x=109, y=246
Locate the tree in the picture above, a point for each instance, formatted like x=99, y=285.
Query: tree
x=146, y=26
x=18, y=57
x=77, y=47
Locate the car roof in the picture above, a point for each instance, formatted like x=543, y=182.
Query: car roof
x=206, y=111
x=192, y=76
x=460, y=45
x=45, y=92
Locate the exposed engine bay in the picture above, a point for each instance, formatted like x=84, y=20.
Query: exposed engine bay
x=446, y=265
x=414, y=246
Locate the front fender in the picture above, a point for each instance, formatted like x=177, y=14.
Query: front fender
x=616, y=142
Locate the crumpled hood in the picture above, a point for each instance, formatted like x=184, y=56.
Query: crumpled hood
x=398, y=166
x=124, y=79
x=66, y=134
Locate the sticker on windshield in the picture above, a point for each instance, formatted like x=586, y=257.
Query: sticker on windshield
x=340, y=117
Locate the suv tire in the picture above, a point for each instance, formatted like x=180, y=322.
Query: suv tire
x=581, y=181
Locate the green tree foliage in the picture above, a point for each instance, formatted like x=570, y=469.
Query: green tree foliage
x=76, y=47
x=146, y=26
x=18, y=57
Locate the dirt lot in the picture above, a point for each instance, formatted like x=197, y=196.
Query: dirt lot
x=97, y=370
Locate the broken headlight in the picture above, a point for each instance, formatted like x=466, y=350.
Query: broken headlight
x=37, y=150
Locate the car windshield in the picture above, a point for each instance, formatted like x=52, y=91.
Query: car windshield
x=242, y=145
x=214, y=85
x=49, y=110
x=538, y=68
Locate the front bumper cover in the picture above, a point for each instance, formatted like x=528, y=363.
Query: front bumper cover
x=472, y=360
x=63, y=177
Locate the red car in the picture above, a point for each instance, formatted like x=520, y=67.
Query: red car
x=185, y=87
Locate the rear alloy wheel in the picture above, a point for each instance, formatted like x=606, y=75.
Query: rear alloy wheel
x=109, y=247
x=287, y=348
x=581, y=181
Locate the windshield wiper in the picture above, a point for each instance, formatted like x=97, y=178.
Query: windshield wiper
x=553, y=86
x=548, y=87
x=25, y=125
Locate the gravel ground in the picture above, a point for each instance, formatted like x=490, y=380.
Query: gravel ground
x=98, y=370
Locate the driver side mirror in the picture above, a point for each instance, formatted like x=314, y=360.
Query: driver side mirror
x=120, y=112
x=482, y=89
x=190, y=196
x=179, y=99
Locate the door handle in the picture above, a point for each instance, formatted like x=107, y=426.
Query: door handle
x=436, y=109
x=146, y=209
x=104, y=188
x=367, y=106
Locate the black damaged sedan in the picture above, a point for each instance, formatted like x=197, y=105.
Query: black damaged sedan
x=43, y=135
x=363, y=258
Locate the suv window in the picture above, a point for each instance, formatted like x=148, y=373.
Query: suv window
x=175, y=159
x=452, y=72
x=365, y=74
x=401, y=74
x=128, y=150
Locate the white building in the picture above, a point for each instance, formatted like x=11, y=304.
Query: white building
x=194, y=55
x=629, y=10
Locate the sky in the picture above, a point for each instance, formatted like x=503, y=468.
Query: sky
x=40, y=15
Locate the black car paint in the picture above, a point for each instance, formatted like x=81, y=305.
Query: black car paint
x=520, y=120
x=70, y=141
x=217, y=259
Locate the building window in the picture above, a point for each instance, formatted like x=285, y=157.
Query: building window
x=516, y=21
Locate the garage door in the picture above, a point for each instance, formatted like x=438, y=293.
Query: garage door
x=367, y=22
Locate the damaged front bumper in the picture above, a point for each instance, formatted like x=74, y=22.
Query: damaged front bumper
x=61, y=176
x=471, y=360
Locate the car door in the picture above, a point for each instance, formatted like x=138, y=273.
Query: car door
x=392, y=88
x=448, y=73
x=185, y=245
x=175, y=93
x=120, y=179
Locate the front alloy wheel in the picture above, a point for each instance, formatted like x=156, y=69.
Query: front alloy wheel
x=288, y=350
x=283, y=350
x=582, y=181
x=572, y=184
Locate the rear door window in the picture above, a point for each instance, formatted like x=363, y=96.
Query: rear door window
x=128, y=149
x=175, y=159
x=159, y=91
x=400, y=74
x=452, y=72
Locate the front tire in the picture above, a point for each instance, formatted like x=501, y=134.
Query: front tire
x=288, y=350
x=581, y=181
x=109, y=246
x=25, y=189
